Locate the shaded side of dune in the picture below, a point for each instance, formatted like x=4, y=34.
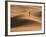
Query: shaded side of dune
x=16, y=21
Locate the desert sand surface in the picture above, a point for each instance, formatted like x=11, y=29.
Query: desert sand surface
x=28, y=27
x=26, y=18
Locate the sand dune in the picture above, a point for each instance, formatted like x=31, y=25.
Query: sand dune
x=30, y=13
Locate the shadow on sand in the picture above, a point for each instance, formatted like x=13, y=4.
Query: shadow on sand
x=17, y=21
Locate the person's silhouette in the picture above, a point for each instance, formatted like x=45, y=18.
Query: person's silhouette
x=29, y=13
